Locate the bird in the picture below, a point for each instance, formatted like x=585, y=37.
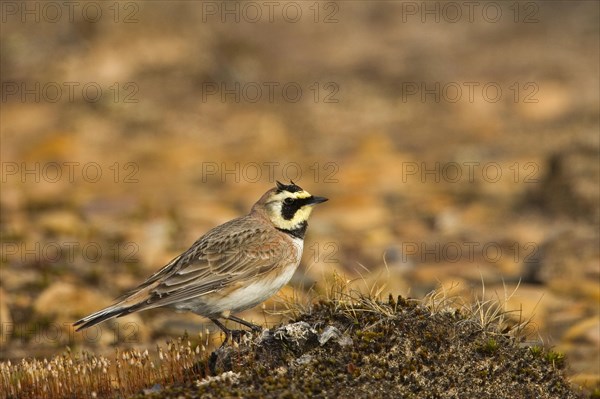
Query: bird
x=233, y=267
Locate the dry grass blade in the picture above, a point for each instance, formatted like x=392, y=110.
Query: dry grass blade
x=87, y=375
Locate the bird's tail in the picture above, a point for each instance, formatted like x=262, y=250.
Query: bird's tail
x=110, y=312
x=133, y=301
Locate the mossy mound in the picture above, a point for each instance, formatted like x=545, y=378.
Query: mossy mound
x=378, y=350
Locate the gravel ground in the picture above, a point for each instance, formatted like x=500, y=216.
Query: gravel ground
x=459, y=150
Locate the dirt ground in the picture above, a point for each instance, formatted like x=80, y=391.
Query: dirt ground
x=458, y=144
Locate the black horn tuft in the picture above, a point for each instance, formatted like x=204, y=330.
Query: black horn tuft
x=291, y=188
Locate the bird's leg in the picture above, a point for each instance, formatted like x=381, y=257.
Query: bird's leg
x=254, y=327
x=234, y=334
x=226, y=330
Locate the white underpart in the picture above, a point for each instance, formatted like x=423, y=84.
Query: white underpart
x=251, y=295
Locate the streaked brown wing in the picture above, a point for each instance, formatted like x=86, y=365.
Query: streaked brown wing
x=215, y=261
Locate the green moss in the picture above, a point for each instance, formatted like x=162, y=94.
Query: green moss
x=394, y=349
x=368, y=336
x=556, y=359
x=489, y=347
x=536, y=351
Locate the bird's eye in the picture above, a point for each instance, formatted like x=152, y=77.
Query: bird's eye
x=288, y=201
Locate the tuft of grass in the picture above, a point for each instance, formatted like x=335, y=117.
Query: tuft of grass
x=491, y=315
x=490, y=347
x=536, y=350
x=556, y=359
x=87, y=375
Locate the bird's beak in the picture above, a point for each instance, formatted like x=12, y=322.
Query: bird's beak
x=317, y=200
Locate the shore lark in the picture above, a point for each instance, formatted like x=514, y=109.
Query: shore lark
x=233, y=267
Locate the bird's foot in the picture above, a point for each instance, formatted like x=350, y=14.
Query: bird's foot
x=234, y=336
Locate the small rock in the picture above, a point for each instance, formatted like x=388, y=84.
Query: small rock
x=298, y=333
x=304, y=359
x=67, y=301
x=154, y=389
x=228, y=376
x=555, y=101
x=332, y=332
x=63, y=303
x=154, y=236
x=61, y=222
x=529, y=302
x=570, y=185
x=587, y=330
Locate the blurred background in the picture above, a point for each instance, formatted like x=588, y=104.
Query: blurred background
x=458, y=144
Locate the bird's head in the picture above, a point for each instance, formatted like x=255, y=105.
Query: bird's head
x=288, y=206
